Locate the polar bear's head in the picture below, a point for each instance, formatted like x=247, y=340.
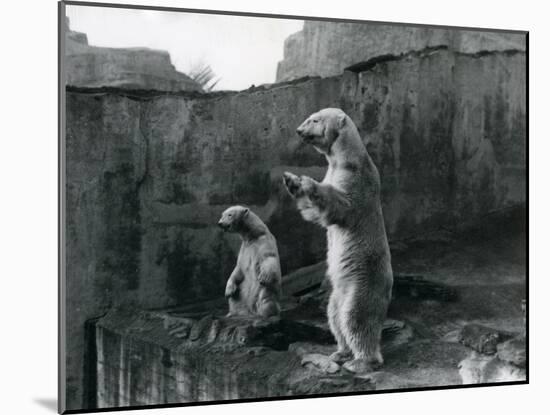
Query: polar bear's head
x=322, y=128
x=233, y=218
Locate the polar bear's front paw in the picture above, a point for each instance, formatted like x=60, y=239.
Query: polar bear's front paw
x=309, y=187
x=292, y=183
x=301, y=186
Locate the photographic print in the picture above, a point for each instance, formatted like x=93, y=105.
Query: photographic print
x=261, y=207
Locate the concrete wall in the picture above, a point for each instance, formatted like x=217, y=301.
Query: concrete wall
x=129, y=68
x=326, y=48
x=147, y=177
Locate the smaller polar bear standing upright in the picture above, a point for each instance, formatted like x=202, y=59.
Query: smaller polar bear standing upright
x=347, y=204
x=254, y=287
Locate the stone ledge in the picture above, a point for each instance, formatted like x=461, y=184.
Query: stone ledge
x=154, y=357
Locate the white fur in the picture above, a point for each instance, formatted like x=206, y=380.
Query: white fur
x=350, y=173
x=337, y=237
x=336, y=178
x=337, y=243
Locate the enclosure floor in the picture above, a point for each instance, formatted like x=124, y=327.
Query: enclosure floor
x=486, y=265
x=193, y=353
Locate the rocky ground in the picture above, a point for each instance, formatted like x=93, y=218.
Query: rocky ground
x=456, y=318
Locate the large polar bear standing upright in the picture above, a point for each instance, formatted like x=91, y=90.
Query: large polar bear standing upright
x=347, y=204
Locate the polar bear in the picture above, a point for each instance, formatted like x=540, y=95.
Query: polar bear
x=254, y=287
x=347, y=203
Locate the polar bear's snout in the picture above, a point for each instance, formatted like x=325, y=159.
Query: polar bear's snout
x=224, y=223
x=312, y=130
x=307, y=130
x=304, y=129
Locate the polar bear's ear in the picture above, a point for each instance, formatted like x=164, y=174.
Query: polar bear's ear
x=341, y=121
x=245, y=212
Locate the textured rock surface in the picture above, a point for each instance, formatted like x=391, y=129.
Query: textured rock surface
x=513, y=351
x=327, y=48
x=482, y=339
x=148, y=176
x=141, y=361
x=488, y=369
x=130, y=68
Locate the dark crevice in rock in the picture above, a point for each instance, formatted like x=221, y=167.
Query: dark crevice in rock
x=146, y=156
x=296, y=81
x=483, y=53
x=134, y=94
x=371, y=63
x=152, y=94
x=89, y=387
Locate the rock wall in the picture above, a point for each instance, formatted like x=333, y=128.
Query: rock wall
x=130, y=68
x=327, y=48
x=153, y=358
x=148, y=175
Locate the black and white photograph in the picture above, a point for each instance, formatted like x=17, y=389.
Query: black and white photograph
x=258, y=207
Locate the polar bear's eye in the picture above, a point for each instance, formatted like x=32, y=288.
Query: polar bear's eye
x=315, y=121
